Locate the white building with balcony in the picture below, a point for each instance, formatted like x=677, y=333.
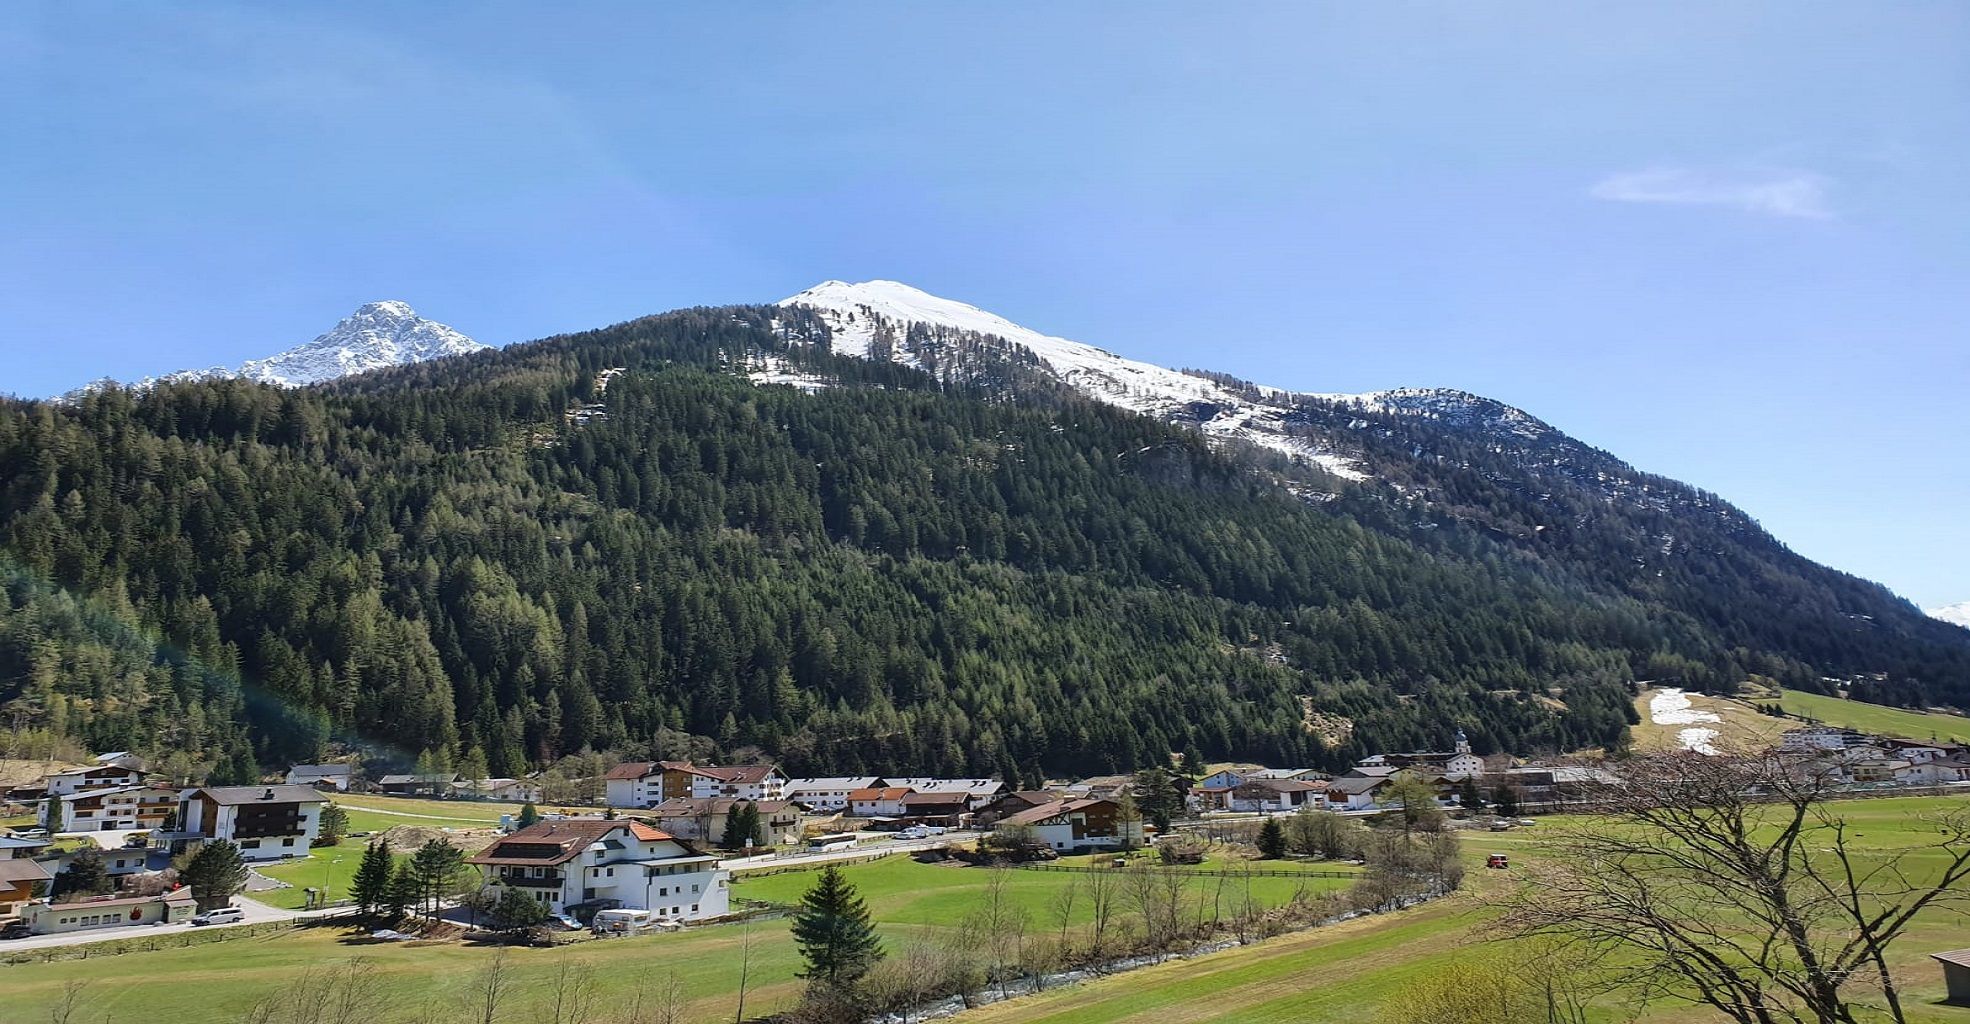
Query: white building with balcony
x=609, y=864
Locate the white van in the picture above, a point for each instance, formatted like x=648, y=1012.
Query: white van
x=220, y=915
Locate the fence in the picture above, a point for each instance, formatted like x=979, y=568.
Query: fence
x=148, y=943
x=1210, y=873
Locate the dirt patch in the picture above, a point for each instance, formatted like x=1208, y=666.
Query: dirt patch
x=410, y=837
x=23, y=773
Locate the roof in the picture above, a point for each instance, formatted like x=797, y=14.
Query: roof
x=97, y=769
x=1370, y=772
x=935, y=799
x=17, y=843
x=21, y=869
x=322, y=769
x=738, y=773
x=885, y=793
x=976, y=787
x=1283, y=773
x=1954, y=957
x=690, y=807
x=560, y=840
x=1353, y=786
x=227, y=796
x=174, y=896
x=841, y=782
x=1052, y=810
x=1284, y=785
x=630, y=770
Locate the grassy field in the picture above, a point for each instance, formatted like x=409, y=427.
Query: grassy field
x=325, y=867
x=1340, y=975
x=1874, y=718
x=218, y=983
x=1739, y=725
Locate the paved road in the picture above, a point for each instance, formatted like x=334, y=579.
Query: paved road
x=775, y=862
x=256, y=913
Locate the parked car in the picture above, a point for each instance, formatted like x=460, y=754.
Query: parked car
x=921, y=832
x=220, y=915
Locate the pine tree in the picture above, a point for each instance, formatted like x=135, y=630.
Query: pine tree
x=529, y=815
x=435, y=865
x=402, y=892
x=334, y=825
x=215, y=873
x=1272, y=840
x=741, y=823
x=834, y=933
x=370, y=887
x=84, y=875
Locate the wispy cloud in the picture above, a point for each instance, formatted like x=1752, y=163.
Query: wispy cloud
x=1775, y=191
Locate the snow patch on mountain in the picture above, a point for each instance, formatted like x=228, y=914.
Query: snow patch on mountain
x=378, y=335
x=1956, y=614
x=857, y=313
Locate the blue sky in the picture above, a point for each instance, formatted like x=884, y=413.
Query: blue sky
x=1725, y=241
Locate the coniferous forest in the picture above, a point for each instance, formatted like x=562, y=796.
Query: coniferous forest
x=910, y=571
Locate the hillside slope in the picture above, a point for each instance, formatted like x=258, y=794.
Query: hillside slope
x=962, y=566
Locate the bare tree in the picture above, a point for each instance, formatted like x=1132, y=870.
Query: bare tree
x=1000, y=924
x=1062, y=908
x=68, y=1005
x=1731, y=882
x=342, y=993
x=1156, y=896
x=489, y=988
x=661, y=1003
x=1103, y=899
x=571, y=993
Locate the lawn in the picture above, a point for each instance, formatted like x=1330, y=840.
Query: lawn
x=1340, y=975
x=426, y=982
x=329, y=867
x=1874, y=718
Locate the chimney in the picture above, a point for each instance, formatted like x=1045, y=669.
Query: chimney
x=268, y=795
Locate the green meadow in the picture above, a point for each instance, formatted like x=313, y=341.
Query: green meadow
x=1339, y=974
x=1874, y=718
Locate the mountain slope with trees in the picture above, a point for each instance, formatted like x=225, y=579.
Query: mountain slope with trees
x=961, y=567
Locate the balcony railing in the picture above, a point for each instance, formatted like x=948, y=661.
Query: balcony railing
x=550, y=880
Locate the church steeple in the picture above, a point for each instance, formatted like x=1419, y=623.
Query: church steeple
x=1463, y=743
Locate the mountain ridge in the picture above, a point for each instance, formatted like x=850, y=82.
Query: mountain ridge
x=376, y=336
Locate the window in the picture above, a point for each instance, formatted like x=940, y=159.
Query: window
x=249, y=844
x=694, y=908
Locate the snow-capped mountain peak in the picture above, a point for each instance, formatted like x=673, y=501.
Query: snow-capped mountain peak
x=1958, y=613
x=376, y=335
x=855, y=312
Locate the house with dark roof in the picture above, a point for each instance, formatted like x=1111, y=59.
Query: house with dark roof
x=829, y=794
x=573, y=863
x=265, y=822
x=417, y=784
x=1074, y=824
x=334, y=777
x=19, y=878
x=1270, y=794
x=1010, y=804
x=948, y=810
x=739, y=781
x=704, y=820
x=646, y=783
x=1454, y=764
x=120, y=807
